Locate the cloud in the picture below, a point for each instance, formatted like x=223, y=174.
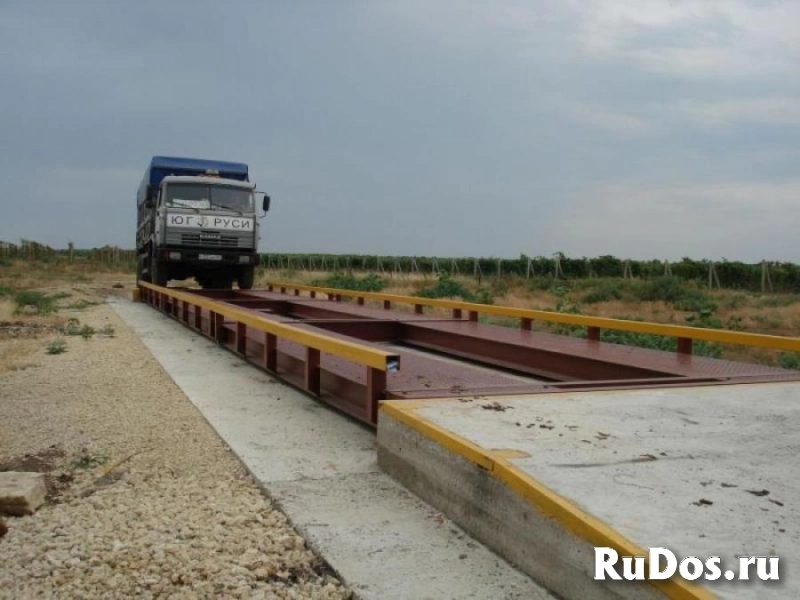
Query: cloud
x=739, y=220
x=695, y=39
x=769, y=110
x=616, y=124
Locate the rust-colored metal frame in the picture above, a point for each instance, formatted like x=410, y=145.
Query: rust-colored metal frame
x=267, y=329
x=684, y=335
x=280, y=349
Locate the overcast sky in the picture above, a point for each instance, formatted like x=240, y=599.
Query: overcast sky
x=646, y=129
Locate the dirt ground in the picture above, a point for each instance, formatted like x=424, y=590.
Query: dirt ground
x=144, y=500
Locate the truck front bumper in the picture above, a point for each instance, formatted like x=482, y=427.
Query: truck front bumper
x=210, y=257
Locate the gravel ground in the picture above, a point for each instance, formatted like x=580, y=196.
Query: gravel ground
x=145, y=500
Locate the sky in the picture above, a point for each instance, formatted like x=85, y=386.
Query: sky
x=646, y=129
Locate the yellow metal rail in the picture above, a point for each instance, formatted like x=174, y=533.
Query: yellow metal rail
x=364, y=355
x=594, y=324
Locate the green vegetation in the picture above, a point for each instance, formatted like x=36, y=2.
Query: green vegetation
x=74, y=328
x=446, y=287
x=342, y=281
x=783, y=277
x=42, y=303
x=685, y=296
x=789, y=360
x=87, y=460
x=58, y=346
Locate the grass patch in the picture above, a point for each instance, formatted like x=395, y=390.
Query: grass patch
x=789, y=360
x=74, y=328
x=446, y=287
x=5, y=291
x=776, y=301
x=342, y=281
x=57, y=347
x=86, y=460
x=16, y=354
x=80, y=305
x=605, y=292
x=41, y=302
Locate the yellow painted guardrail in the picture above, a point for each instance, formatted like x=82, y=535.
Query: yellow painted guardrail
x=364, y=355
x=681, y=332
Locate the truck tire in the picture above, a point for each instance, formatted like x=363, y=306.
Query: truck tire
x=246, y=278
x=158, y=272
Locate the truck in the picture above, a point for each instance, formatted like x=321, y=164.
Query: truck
x=197, y=218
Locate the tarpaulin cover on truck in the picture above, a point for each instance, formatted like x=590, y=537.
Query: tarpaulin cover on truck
x=162, y=166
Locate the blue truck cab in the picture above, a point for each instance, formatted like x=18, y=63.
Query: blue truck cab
x=197, y=218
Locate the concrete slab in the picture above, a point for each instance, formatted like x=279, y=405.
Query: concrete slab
x=705, y=471
x=321, y=469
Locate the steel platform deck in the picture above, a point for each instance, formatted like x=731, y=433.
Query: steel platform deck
x=443, y=356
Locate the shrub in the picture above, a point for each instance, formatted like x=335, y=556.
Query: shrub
x=664, y=289
x=789, y=360
x=57, y=347
x=342, y=281
x=44, y=304
x=605, y=292
x=446, y=287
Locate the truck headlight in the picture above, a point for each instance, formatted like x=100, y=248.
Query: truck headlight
x=244, y=260
x=174, y=255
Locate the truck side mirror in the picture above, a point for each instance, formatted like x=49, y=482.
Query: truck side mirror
x=265, y=205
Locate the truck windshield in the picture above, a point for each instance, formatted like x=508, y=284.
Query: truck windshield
x=209, y=196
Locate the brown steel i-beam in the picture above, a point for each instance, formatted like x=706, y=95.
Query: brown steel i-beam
x=198, y=318
x=312, y=371
x=684, y=345
x=376, y=388
x=219, y=327
x=241, y=338
x=270, y=352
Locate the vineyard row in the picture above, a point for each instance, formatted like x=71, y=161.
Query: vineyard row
x=763, y=276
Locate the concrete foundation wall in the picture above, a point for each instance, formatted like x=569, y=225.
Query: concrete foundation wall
x=537, y=545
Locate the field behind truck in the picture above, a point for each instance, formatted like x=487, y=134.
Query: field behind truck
x=685, y=298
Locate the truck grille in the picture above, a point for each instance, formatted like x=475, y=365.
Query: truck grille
x=210, y=239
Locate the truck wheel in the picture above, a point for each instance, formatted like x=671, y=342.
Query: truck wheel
x=159, y=273
x=246, y=278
